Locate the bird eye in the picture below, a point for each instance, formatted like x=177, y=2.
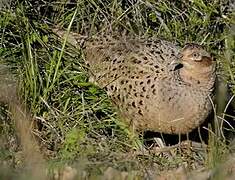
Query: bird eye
x=196, y=56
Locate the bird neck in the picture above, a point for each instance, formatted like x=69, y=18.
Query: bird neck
x=204, y=80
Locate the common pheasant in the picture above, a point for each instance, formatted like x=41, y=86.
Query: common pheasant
x=155, y=84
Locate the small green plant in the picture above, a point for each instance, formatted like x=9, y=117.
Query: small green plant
x=72, y=144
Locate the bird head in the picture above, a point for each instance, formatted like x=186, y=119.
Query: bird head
x=198, y=67
x=194, y=58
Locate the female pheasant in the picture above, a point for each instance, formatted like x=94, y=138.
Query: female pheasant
x=155, y=84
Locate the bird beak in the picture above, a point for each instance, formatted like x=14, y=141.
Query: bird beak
x=205, y=54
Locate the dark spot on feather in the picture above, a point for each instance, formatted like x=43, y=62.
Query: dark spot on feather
x=140, y=112
x=133, y=104
x=154, y=91
x=111, y=87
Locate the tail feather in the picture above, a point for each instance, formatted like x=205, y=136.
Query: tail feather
x=99, y=53
x=75, y=39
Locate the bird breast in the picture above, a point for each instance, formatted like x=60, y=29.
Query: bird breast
x=178, y=108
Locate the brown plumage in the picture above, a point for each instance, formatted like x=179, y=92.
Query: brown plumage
x=155, y=84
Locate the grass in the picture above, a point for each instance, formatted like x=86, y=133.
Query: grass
x=74, y=121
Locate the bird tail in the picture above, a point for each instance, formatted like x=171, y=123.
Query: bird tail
x=72, y=38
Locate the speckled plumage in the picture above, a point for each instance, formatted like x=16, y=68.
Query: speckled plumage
x=155, y=84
